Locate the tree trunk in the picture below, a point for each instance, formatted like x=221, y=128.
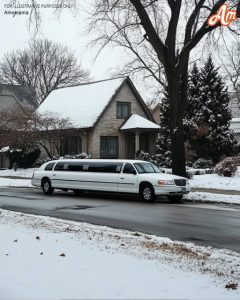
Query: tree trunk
x=176, y=123
x=45, y=148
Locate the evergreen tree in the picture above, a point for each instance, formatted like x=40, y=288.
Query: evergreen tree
x=193, y=105
x=163, y=143
x=208, y=115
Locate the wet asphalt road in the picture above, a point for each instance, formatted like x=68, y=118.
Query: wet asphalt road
x=204, y=224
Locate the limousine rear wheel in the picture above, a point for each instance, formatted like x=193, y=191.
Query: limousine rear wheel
x=47, y=187
x=147, y=192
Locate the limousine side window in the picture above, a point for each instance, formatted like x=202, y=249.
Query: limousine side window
x=61, y=167
x=75, y=167
x=49, y=166
x=104, y=167
x=129, y=169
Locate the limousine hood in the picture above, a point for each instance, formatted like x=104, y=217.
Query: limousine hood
x=163, y=176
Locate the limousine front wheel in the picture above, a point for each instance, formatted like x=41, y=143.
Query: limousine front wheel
x=147, y=192
x=47, y=187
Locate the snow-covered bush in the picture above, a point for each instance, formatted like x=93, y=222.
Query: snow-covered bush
x=23, y=155
x=82, y=155
x=202, y=163
x=228, y=166
x=189, y=164
x=157, y=159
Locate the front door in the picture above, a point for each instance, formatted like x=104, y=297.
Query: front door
x=128, y=180
x=130, y=146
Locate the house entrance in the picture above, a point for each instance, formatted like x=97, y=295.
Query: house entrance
x=131, y=144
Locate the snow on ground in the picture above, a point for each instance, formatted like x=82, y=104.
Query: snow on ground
x=7, y=182
x=25, y=173
x=214, y=181
x=47, y=258
x=211, y=197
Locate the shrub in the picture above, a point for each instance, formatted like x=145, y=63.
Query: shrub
x=24, y=155
x=157, y=159
x=82, y=155
x=202, y=163
x=189, y=164
x=228, y=166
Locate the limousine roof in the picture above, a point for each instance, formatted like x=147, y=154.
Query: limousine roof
x=131, y=161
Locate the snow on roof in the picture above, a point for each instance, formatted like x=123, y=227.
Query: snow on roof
x=82, y=104
x=138, y=122
x=4, y=149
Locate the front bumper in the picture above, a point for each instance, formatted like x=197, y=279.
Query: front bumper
x=171, y=190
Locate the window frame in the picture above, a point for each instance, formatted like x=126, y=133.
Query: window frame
x=108, y=156
x=51, y=164
x=133, y=172
x=120, y=116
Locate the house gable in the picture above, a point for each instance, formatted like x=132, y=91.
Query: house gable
x=25, y=95
x=8, y=101
x=109, y=125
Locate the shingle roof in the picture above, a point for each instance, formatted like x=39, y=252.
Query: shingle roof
x=25, y=94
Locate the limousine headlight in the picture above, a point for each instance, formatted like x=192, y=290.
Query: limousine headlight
x=166, y=182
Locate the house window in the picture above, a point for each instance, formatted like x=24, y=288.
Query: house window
x=109, y=147
x=71, y=145
x=123, y=110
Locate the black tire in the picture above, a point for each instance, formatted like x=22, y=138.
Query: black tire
x=176, y=198
x=147, y=193
x=78, y=192
x=47, y=187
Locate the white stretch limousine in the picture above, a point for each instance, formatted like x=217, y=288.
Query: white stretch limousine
x=122, y=176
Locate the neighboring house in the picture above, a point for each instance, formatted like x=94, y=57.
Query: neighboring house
x=235, y=109
x=15, y=96
x=156, y=113
x=110, y=118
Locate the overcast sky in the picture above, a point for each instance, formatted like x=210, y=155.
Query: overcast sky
x=68, y=29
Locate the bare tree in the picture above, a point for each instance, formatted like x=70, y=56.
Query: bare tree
x=160, y=35
x=19, y=126
x=44, y=65
x=231, y=65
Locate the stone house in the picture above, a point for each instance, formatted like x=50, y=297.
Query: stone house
x=110, y=119
x=15, y=96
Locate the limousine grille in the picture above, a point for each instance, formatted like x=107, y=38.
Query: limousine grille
x=180, y=182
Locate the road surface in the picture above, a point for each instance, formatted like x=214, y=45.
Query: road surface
x=204, y=224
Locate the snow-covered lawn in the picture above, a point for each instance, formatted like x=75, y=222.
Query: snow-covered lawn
x=5, y=182
x=25, y=173
x=214, y=181
x=211, y=197
x=47, y=258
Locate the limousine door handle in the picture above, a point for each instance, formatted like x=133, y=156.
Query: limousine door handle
x=122, y=178
x=54, y=174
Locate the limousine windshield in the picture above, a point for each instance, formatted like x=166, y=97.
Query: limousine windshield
x=143, y=168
